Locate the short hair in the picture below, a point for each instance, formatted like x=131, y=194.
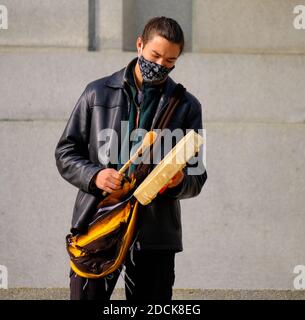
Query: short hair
x=165, y=27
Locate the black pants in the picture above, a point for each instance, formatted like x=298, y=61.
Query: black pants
x=149, y=275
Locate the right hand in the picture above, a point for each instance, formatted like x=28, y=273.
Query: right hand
x=109, y=180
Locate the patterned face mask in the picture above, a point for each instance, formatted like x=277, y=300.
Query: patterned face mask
x=151, y=71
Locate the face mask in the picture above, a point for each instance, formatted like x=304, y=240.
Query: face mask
x=151, y=71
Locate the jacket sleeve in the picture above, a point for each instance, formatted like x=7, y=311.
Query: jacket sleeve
x=191, y=185
x=71, y=153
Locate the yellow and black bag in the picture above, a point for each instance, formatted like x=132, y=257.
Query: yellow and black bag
x=103, y=248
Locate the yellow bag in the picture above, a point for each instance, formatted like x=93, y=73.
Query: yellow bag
x=103, y=248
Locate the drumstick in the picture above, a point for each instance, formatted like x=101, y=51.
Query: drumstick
x=148, y=140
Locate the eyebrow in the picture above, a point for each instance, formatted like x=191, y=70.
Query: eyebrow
x=172, y=58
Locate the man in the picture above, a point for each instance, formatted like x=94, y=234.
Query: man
x=136, y=94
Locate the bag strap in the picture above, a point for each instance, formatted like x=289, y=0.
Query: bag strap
x=143, y=169
x=176, y=97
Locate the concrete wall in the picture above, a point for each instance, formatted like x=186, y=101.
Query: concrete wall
x=245, y=230
x=263, y=26
x=46, y=23
x=109, y=24
x=137, y=12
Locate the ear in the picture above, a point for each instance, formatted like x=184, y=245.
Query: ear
x=139, y=43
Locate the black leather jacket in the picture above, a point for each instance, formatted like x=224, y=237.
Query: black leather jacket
x=103, y=104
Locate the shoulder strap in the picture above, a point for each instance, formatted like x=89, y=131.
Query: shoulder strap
x=176, y=97
x=143, y=169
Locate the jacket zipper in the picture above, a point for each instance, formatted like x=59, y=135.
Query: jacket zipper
x=138, y=117
x=139, y=107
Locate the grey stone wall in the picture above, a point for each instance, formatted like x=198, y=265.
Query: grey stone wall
x=246, y=26
x=137, y=12
x=46, y=23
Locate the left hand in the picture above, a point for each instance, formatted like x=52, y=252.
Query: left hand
x=174, y=181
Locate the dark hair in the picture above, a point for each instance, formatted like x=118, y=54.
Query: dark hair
x=165, y=27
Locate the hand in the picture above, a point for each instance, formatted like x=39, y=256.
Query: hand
x=109, y=180
x=176, y=179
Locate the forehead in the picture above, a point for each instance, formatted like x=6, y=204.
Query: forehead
x=163, y=46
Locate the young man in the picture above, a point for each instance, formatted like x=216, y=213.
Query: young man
x=135, y=94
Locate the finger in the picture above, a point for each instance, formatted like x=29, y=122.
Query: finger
x=179, y=174
x=115, y=181
x=117, y=175
x=164, y=188
x=113, y=186
x=108, y=190
x=173, y=179
x=176, y=175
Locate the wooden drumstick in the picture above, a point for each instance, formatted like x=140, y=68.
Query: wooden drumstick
x=148, y=140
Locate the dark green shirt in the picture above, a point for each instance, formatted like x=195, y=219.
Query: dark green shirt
x=144, y=102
